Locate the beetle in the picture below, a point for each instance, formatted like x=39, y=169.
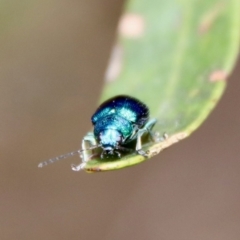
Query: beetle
x=116, y=123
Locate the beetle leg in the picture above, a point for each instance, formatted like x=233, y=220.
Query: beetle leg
x=78, y=167
x=139, y=149
x=88, y=141
x=146, y=129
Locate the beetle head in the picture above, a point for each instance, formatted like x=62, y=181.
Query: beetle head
x=110, y=139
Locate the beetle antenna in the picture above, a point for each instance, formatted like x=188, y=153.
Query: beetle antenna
x=67, y=155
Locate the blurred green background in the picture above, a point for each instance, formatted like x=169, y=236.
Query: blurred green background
x=52, y=62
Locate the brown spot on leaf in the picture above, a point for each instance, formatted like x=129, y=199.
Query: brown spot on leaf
x=131, y=25
x=218, y=75
x=93, y=170
x=115, y=64
x=157, y=148
x=210, y=17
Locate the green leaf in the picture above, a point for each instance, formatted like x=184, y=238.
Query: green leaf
x=175, y=56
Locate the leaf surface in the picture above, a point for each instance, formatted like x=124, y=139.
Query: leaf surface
x=175, y=56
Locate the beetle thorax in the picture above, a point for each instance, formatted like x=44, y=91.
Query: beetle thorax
x=110, y=139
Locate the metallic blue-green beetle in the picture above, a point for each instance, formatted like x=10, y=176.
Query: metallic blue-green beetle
x=117, y=122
